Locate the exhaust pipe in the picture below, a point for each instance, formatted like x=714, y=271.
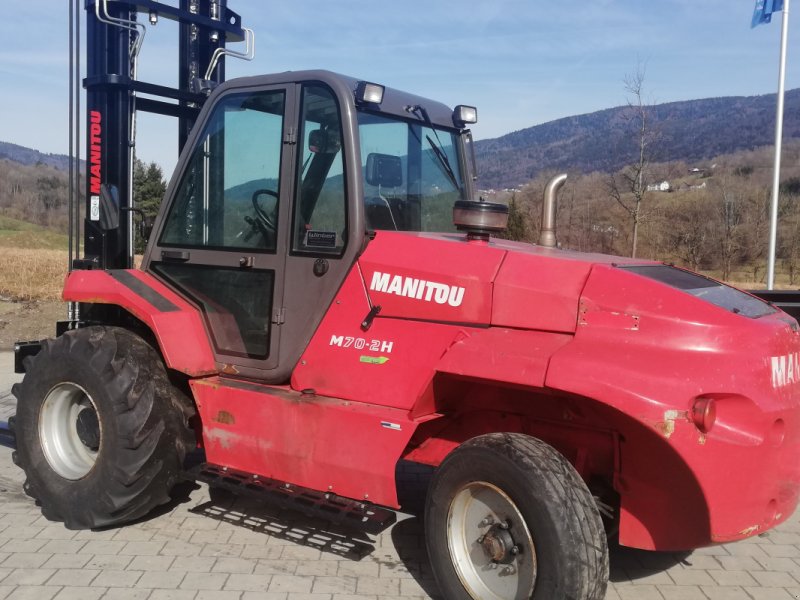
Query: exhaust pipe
x=547, y=236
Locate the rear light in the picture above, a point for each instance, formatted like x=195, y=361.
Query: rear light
x=704, y=413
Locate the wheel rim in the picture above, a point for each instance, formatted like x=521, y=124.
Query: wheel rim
x=69, y=430
x=490, y=545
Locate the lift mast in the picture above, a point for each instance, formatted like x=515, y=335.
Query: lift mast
x=114, y=94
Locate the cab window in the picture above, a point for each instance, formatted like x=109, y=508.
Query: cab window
x=412, y=174
x=228, y=195
x=320, y=219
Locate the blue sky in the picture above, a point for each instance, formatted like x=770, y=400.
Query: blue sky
x=522, y=62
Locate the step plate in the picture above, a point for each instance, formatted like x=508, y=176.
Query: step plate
x=334, y=509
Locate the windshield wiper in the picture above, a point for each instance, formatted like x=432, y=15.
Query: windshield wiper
x=443, y=161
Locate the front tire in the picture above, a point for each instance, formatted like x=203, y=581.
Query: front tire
x=101, y=432
x=508, y=518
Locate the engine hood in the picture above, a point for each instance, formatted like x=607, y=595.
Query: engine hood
x=443, y=277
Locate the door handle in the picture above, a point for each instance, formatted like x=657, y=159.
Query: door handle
x=246, y=262
x=175, y=255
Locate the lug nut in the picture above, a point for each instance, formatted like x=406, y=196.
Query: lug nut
x=493, y=565
x=489, y=520
x=515, y=550
x=481, y=538
x=509, y=570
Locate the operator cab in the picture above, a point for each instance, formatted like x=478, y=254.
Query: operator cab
x=279, y=186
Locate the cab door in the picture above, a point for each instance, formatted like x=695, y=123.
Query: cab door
x=223, y=240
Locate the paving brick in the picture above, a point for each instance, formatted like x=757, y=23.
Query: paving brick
x=80, y=593
x=768, y=593
x=26, y=577
x=690, y=577
x=127, y=594
x=25, y=560
x=111, y=578
x=172, y=595
x=37, y=592
x=725, y=593
x=151, y=563
x=141, y=548
x=160, y=579
x=334, y=585
x=640, y=592
x=193, y=564
x=218, y=595
x=290, y=583
x=73, y=577
x=108, y=561
x=248, y=583
x=730, y=577
x=234, y=565
x=680, y=592
x=204, y=581
x=774, y=579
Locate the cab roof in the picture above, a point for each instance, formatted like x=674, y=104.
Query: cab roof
x=395, y=102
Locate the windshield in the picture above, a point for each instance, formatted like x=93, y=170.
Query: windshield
x=412, y=174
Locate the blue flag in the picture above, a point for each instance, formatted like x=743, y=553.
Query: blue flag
x=764, y=10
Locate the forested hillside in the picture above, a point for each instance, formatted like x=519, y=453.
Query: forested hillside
x=606, y=140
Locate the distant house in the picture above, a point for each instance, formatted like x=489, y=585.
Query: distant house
x=659, y=187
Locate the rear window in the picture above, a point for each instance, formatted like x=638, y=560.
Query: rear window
x=706, y=289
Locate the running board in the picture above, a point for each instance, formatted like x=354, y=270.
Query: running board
x=363, y=516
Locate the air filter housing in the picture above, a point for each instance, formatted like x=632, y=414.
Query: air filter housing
x=480, y=219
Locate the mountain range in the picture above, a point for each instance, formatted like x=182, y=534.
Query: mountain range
x=690, y=130
x=31, y=157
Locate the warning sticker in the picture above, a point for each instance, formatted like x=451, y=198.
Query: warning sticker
x=321, y=239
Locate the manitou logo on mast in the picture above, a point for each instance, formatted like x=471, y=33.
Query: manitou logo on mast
x=419, y=289
x=95, y=147
x=95, y=150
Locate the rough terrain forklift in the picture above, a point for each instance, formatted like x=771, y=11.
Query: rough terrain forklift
x=322, y=296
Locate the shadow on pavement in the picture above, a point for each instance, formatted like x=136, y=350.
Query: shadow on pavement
x=630, y=564
x=285, y=524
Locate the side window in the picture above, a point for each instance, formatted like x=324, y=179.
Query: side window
x=320, y=219
x=228, y=196
x=384, y=161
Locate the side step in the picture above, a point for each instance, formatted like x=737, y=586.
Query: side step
x=363, y=516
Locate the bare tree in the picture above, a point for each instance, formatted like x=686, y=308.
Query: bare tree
x=629, y=186
x=729, y=219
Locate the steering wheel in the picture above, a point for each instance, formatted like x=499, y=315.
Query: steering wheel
x=264, y=220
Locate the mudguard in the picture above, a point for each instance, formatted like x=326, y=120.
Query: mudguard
x=176, y=324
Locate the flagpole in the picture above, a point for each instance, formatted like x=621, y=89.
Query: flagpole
x=776, y=169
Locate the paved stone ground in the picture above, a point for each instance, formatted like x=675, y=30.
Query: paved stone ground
x=228, y=549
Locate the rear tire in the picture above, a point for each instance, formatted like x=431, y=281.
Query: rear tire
x=508, y=518
x=101, y=432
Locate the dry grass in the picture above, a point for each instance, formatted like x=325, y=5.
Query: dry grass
x=32, y=274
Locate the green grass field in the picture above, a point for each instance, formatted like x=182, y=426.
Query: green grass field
x=19, y=234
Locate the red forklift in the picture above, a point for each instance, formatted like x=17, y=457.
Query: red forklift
x=322, y=296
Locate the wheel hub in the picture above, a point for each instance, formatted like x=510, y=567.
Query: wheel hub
x=490, y=544
x=88, y=428
x=498, y=544
x=70, y=431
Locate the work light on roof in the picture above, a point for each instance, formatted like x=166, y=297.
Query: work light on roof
x=465, y=115
x=369, y=93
